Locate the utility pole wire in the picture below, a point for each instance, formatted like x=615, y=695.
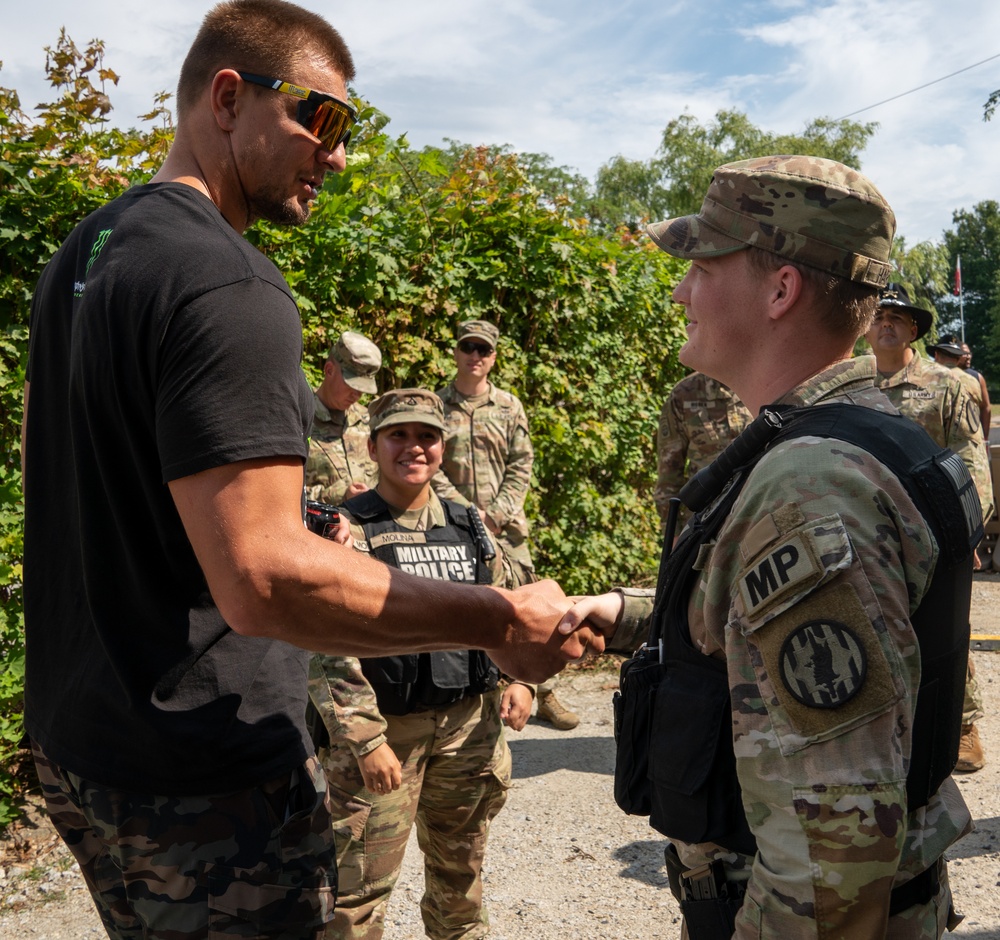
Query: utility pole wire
x=919, y=87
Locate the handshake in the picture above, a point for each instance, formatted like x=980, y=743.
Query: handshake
x=547, y=629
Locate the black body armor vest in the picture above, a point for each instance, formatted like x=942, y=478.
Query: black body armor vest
x=693, y=792
x=451, y=552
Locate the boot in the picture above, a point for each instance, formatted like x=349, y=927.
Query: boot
x=553, y=711
x=970, y=751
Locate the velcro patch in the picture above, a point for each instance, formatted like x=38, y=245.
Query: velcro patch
x=823, y=666
x=777, y=574
x=398, y=538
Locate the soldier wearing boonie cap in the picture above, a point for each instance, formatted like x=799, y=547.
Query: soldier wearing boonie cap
x=787, y=726
x=412, y=737
x=487, y=463
x=338, y=466
x=935, y=397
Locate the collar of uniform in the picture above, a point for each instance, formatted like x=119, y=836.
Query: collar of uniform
x=841, y=380
x=453, y=396
x=431, y=515
x=356, y=414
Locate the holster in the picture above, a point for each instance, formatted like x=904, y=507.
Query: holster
x=708, y=901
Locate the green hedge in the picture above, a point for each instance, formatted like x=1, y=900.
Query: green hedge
x=402, y=246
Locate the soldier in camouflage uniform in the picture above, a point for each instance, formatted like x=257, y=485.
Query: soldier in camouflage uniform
x=338, y=466
x=952, y=354
x=699, y=419
x=933, y=396
x=444, y=766
x=487, y=463
x=823, y=550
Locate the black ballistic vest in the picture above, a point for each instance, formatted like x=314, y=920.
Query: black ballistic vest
x=693, y=791
x=420, y=681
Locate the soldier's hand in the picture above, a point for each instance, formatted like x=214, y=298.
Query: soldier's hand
x=601, y=612
x=534, y=649
x=355, y=489
x=515, y=706
x=342, y=535
x=381, y=770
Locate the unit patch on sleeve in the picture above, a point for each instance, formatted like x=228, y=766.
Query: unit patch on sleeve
x=822, y=668
x=823, y=664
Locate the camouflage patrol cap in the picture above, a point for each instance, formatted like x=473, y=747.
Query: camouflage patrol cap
x=359, y=359
x=809, y=210
x=478, y=329
x=403, y=405
x=895, y=296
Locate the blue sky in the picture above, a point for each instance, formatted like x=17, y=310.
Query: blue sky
x=584, y=80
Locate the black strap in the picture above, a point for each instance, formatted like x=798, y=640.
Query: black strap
x=920, y=890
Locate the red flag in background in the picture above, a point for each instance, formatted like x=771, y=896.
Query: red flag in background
x=958, y=275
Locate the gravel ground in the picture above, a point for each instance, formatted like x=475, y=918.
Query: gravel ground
x=563, y=863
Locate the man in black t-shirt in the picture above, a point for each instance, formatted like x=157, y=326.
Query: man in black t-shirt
x=172, y=590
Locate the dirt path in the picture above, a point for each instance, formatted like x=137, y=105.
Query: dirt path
x=564, y=863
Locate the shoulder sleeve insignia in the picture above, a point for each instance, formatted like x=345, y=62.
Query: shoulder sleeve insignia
x=823, y=664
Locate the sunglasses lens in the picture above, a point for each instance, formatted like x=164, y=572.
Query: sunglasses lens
x=469, y=348
x=330, y=121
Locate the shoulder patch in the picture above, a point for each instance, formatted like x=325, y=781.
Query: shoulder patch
x=777, y=573
x=823, y=663
x=822, y=668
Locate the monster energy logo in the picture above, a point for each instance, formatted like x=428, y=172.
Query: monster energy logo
x=95, y=251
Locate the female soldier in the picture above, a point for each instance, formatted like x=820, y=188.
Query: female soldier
x=417, y=737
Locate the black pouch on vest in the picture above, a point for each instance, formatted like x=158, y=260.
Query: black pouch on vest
x=692, y=766
x=634, y=711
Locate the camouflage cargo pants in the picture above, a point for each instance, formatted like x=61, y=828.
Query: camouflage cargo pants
x=253, y=864
x=456, y=770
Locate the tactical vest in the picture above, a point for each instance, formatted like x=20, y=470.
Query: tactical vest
x=419, y=681
x=694, y=793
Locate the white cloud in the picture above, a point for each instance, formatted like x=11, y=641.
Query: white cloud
x=584, y=80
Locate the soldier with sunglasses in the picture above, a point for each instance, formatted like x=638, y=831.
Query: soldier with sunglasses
x=487, y=464
x=172, y=591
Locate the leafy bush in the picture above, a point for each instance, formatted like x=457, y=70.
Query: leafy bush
x=402, y=246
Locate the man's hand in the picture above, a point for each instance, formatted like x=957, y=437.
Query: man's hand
x=355, y=489
x=534, y=649
x=600, y=612
x=381, y=769
x=515, y=706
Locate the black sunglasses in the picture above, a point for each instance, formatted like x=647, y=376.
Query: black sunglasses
x=469, y=347
x=328, y=119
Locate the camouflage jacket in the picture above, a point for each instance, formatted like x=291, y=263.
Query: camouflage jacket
x=824, y=788
x=933, y=396
x=338, y=453
x=699, y=419
x=487, y=460
x=337, y=686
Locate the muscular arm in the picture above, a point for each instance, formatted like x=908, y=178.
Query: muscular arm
x=269, y=576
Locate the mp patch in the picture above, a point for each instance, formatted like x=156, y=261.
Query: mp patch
x=823, y=664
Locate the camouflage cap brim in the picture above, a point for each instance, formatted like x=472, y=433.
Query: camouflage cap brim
x=360, y=383
x=812, y=211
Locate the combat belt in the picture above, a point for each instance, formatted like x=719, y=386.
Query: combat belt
x=673, y=715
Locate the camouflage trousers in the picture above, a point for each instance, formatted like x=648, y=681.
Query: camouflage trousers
x=253, y=864
x=920, y=922
x=972, y=707
x=456, y=770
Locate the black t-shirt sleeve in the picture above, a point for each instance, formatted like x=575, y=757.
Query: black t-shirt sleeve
x=229, y=380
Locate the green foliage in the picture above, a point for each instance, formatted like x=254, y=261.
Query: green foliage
x=403, y=246
x=975, y=236
x=989, y=109
x=674, y=181
x=54, y=169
